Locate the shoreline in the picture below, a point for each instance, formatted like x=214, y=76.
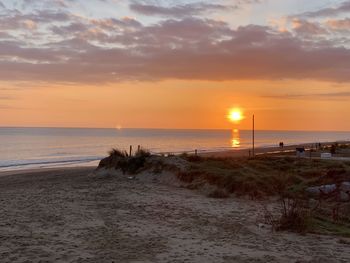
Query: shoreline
x=225, y=153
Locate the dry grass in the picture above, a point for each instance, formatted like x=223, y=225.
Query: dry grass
x=287, y=178
x=117, y=153
x=293, y=216
x=264, y=176
x=119, y=159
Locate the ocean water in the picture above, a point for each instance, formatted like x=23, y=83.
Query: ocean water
x=27, y=148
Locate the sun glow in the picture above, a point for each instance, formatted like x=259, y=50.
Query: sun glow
x=235, y=115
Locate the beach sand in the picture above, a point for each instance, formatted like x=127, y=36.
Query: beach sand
x=70, y=215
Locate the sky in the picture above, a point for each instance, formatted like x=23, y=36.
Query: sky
x=175, y=64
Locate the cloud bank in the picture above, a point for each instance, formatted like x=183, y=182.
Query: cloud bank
x=61, y=46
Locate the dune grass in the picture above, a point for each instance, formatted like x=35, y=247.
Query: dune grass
x=120, y=159
x=286, y=178
x=264, y=176
x=322, y=225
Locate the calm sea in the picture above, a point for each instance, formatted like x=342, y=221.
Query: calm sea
x=26, y=148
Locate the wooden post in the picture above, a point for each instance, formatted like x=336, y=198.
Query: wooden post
x=130, y=151
x=253, y=152
x=138, y=148
x=195, y=152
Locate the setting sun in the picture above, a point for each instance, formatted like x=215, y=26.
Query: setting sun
x=235, y=115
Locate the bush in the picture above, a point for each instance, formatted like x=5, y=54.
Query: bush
x=294, y=216
x=117, y=153
x=115, y=159
x=121, y=160
x=143, y=153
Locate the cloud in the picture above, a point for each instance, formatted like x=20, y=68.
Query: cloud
x=6, y=107
x=203, y=50
x=307, y=28
x=69, y=48
x=329, y=11
x=15, y=19
x=50, y=4
x=178, y=10
x=340, y=24
x=6, y=98
x=345, y=95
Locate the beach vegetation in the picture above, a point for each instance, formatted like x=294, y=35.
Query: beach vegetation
x=143, y=153
x=263, y=176
x=119, y=159
x=117, y=153
x=287, y=179
x=294, y=215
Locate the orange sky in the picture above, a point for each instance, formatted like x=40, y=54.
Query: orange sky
x=177, y=104
x=175, y=64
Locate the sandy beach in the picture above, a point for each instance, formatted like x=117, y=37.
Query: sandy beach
x=70, y=215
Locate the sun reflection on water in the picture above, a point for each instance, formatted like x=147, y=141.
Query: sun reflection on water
x=235, y=140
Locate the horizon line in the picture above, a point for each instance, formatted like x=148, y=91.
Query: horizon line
x=156, y=128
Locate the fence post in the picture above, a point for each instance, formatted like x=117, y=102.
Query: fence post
x=130, y=151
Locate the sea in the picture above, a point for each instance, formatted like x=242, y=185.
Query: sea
x=31, y=148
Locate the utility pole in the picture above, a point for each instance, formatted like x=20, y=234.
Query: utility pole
x=253, y=136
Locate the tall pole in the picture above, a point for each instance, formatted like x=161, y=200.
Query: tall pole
x=253, y=136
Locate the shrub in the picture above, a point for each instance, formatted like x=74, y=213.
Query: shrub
x=143, y=153
x=128, y=164
x=114, y=159
x=117, y=153
x=294, y=216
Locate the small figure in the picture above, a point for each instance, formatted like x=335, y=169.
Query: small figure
x=281, y=144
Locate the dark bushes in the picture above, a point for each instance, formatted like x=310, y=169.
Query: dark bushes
x=128, y=164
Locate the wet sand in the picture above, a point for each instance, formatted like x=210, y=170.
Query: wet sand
x=69, y=215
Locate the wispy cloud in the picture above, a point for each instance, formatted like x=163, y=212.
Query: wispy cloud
x=7, y=98
x=345, y=95
x=339, y=24
x=329, y=11
x=308, y=28
x=179, y=10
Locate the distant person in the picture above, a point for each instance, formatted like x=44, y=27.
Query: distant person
x=281, y=144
